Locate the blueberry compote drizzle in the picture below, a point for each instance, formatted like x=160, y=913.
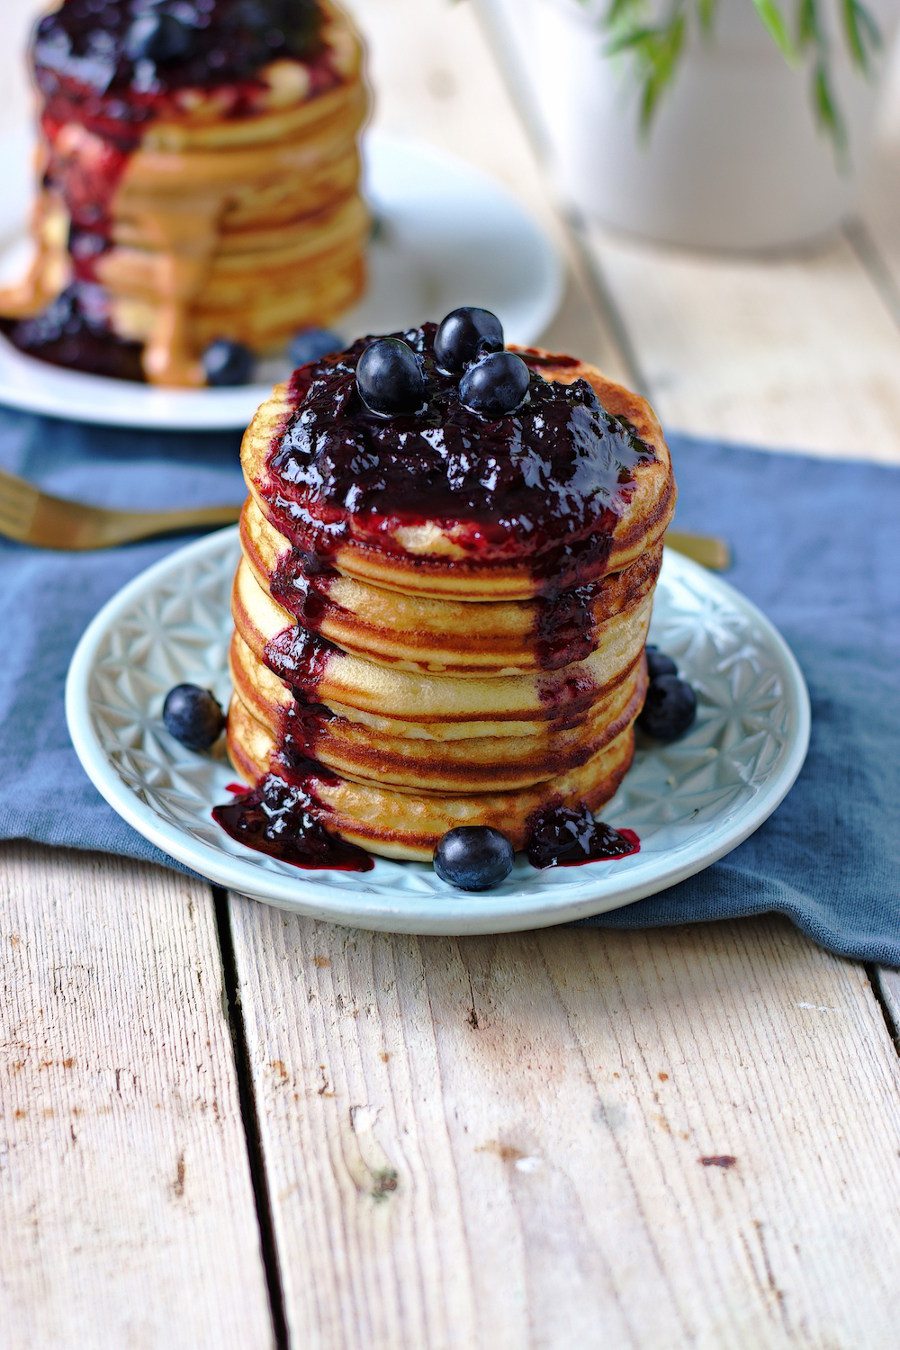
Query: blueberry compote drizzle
x=283, y=815
x=559, y=836
x=83, y=48
x=548, y=482
x=87, y=79
x=301, y=582
x=74, y=331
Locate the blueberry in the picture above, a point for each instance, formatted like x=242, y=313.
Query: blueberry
x=159, y=38
x=658, y=663
x=465, y=335
x=311, y=344
x=474, y=858
x=390, y=378
x=227, y=363
x=670, y=708
x=495, y=385
x=193, y=716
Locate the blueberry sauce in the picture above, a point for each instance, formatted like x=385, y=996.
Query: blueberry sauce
x=300, y=582
x=74, y=331
x=559, y=836
x=298, y=657
x=283, y=818
x=565, y=629
x=282, y=814
x=84, y=47
x=548, y=482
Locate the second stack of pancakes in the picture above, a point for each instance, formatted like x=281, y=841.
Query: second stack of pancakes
x=442, y=622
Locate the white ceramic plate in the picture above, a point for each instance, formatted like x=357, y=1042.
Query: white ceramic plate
x=690, y=802
x=448, y=236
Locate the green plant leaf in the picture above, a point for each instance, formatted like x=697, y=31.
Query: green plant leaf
x=807, y=24
x=706, y=10
x=861, y=31
x=773, y=19
x=826, y=109
x=661, y=55
x=630, y=39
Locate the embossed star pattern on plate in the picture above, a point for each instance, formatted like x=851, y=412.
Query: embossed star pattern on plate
x=690, y=802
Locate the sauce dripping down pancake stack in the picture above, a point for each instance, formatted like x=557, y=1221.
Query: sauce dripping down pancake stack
x=440, y=617
x=197, y=182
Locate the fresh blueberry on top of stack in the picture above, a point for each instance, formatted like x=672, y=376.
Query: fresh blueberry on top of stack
x=464, y=336
x=495, y=385
x=390, y=378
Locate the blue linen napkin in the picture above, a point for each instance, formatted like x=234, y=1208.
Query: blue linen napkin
x=816, y=546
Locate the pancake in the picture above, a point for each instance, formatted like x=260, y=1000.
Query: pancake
x=304, y=660
x=397, y=672
x=481, y=756
x=200, y=205
x=395, y=824
x=416, y=632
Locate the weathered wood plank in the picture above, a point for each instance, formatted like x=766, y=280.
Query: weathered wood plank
x=126, y=1210
x=573, y=1137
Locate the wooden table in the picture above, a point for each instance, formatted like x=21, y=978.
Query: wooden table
x=224, y=1126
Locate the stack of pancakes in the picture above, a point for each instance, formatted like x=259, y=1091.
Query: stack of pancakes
x=434, y=672
x=227, y=209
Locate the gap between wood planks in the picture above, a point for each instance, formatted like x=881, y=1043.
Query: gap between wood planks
x=231, y=1000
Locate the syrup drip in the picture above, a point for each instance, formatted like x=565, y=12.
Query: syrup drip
x=565, y=629
x=561, y=837
x=300, y=582
x=282, y=815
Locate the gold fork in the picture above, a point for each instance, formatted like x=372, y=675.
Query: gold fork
x=31, y=516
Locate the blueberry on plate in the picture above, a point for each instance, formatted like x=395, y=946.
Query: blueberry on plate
x=311, y=344
x=474, y=858
x=658, y=663
x=159, y=38
x=227, y=363
x=464, y=335
x=193, y=716
x=670, y=708
x=495, y=385
x=390, y=378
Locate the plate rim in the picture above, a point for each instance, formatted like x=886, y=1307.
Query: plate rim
x=299, y=892
x=206, y=410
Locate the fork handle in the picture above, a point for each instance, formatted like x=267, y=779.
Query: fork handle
x=129, y=527
x=705, y=549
